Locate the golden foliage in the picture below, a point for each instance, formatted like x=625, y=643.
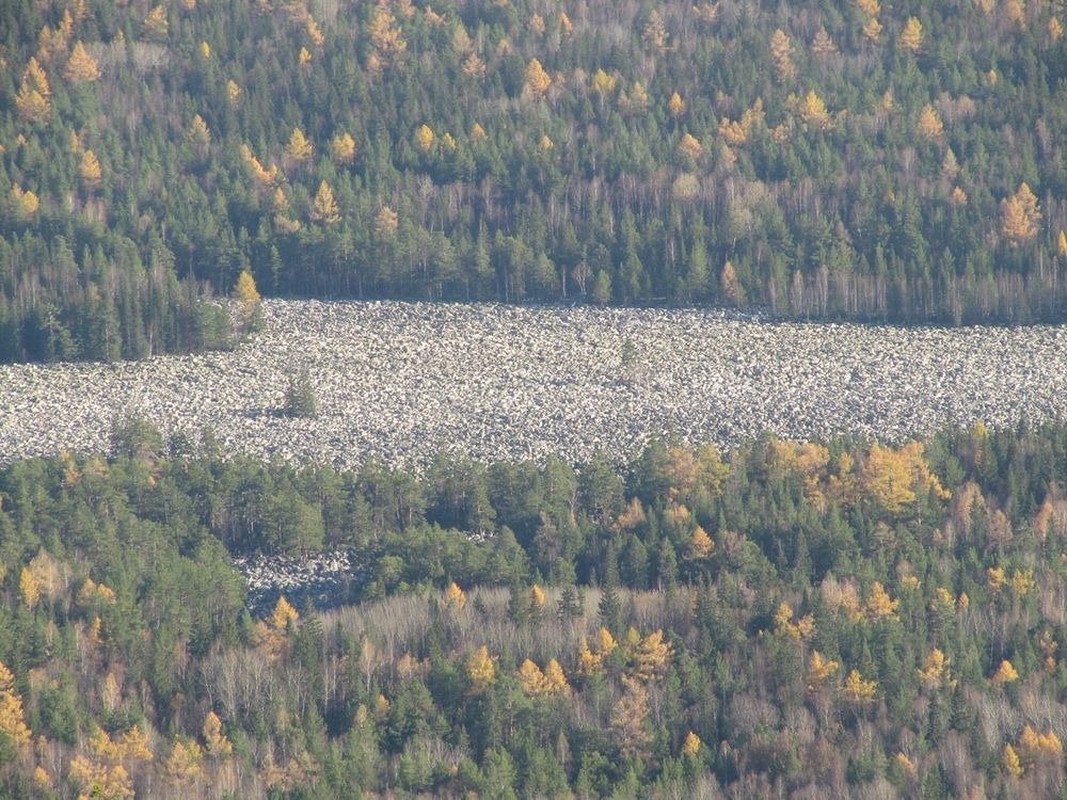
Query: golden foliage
x=892, y=478
x=732, y=132
x=473, y=66
x=52, y=43
x=803, y=628
x=381, y=707
x=81, y=67
x=385, y=37
x=604, y=83
x=424, y=137
x=324, y=207
x=689, y=147
x=134, y=744
x=29, y=589
x=943, y=600
x=1049, y=649
x=1035, y=748
x=271, y=634
x=314, y=31
x=1022, y=582
x=929, y=124
x=98, y=781
x=1055, y=29
x=629, y=717
x=263, y=176
x=707, y=13
x=651, y=657
x=872, y=8
x=857, y=690
x=1010, y=761
x=246, y=293
x=537, y=80
x=907, y=765
x=156, y=24
x=283, y=614
x=343, y=148
x=911, y=38
x=537, y=598
x=700, y=544
x=233, y=92
x=303, y=58
x=813, y=111
x=205, y=51
x=24, y=203
x=676, y=105
x=386, y=223
x=535, y=682
x=691, y=746
x=531, y=679
x=1020, y=215
x=555, y=678
x=822, y=44
x=183, y=763
x=1015, y=12
x=215, y=741
x=1006, y=673
x=12, y=717
x=89, y=169
x=820, y=669
x=958, y=197
x=872, y=30
x=591, y=661
x=638, y=98
x=42, y=779
x=199, y=131
x=481, y=669
x=879, y=604
x=299, y=148
x=33, y=101
x=934, y=671
x=455, y=597
x=782, y=55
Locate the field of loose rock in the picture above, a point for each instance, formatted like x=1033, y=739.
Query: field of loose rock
x=403, y=381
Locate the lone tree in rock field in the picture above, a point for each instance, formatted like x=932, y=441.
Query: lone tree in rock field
x=300, y=396
x=249, y=313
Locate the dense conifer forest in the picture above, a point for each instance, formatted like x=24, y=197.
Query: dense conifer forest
x=830, y=159
x=802, y=618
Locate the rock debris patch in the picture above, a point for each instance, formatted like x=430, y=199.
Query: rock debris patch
x=401, y=382
x=319, y=579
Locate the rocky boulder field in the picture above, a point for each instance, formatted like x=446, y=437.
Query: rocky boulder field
x=404, y=381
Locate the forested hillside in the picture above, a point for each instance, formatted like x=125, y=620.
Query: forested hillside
x=830, y=158
x=788, y=618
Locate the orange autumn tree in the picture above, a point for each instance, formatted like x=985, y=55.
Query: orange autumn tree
x=34, y=99
x=892, y=478
x=1019, y=216
x=12, y=716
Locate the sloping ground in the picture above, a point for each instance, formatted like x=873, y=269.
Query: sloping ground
x=403, y=381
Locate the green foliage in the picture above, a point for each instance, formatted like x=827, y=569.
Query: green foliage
x=300, y=399
x=857, y=178
x=874, y=652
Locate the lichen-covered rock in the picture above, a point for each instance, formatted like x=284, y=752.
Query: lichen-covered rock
x=403, y=381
